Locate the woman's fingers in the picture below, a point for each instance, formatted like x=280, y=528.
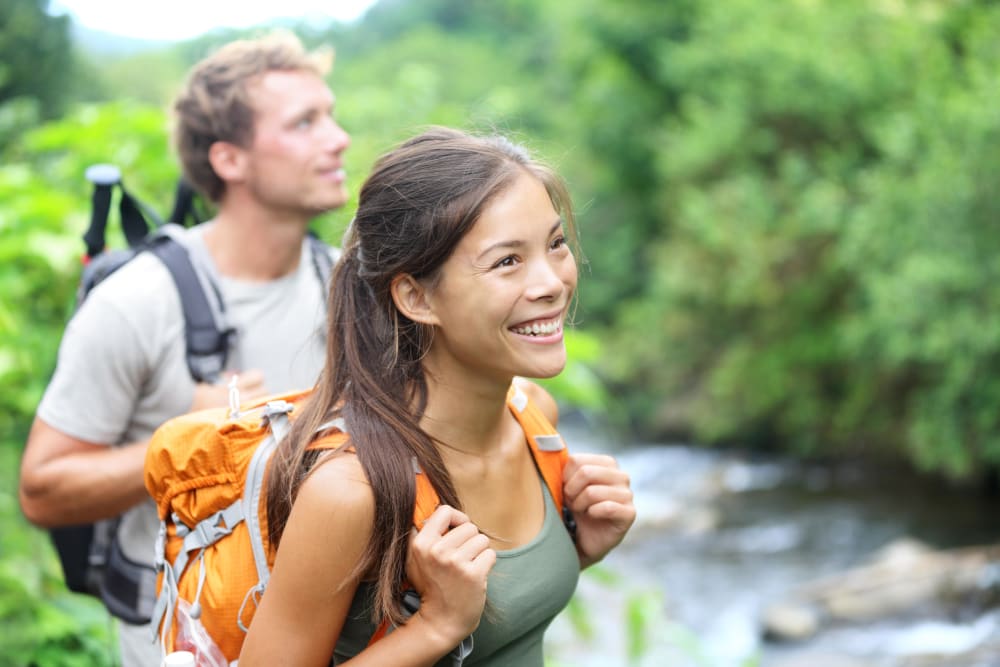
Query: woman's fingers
x=484, y=561
x=598, y=494
x=612, y=511
x=473, y=547
x=585, y=470
x=444, y=518
x=448, y=537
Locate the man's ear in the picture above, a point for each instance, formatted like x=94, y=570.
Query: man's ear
x=228, y=160
x=411, y=299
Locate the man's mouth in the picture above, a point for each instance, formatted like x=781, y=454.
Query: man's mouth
x=338, y=174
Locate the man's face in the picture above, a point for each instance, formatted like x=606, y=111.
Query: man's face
x=294, y=164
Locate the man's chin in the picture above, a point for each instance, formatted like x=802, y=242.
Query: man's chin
x=324, y=207
x=330, y=203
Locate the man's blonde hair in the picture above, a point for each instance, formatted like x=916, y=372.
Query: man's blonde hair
x=215, y=103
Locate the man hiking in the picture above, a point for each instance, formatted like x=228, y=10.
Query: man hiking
x=255, y=133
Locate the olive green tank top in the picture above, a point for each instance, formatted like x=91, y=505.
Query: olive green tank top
x=527, y=587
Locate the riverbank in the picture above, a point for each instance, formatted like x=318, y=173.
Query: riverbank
x=720, y=537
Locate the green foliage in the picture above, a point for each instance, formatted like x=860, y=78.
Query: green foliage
x=149, y=77
x=44, y=207
x=639, y=611
x=926, y=234
x=35, y=56
x=821, y=267
x=579, y=385
x=40, y=623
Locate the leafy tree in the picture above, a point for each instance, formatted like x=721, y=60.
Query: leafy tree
x=822, y=273
x=35, y=56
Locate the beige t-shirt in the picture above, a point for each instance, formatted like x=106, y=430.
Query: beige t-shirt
x=122, y=369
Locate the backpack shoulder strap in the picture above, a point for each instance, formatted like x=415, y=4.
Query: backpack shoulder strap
x=207, y=344
x=323, y=257
x=427, y=498
x=547, y=446
x=332, y=440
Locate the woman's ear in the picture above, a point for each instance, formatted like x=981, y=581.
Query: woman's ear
x=411, y=299
x=228, y=161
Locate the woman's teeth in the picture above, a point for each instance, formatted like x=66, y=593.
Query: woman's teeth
x=538, y=329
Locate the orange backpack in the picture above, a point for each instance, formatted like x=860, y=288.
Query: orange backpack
x=206, y=471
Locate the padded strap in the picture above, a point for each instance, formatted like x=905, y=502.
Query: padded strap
x=322, y=260
x=207, y=343
x=547, y=446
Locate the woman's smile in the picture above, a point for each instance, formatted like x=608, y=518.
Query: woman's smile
x=542, y=330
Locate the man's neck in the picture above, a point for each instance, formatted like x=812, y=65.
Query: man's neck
x=253, y=246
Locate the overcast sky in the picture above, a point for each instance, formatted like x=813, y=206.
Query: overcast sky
x=183, y=19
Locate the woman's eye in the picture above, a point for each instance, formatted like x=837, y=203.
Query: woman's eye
x=507, y=261
x=558, y=242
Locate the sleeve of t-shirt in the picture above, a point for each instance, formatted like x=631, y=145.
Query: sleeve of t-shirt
x=102, y=365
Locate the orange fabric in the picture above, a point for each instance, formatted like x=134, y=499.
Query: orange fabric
x=196, y=465
x=550, y=464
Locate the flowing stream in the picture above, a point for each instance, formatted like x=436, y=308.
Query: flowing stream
x=720, y=536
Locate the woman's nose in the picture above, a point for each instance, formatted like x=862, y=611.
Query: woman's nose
x=549, y=278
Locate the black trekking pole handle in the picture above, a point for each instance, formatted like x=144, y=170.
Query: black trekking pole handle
x=104, y=177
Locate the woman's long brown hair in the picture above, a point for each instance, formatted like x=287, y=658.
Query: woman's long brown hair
x=418, y=203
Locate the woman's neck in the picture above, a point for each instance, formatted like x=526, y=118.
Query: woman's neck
x=466, y=418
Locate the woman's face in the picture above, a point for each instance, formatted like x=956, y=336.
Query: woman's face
x=502, y=297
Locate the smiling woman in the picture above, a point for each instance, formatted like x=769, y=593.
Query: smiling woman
x=184, y=19
x=456, y=282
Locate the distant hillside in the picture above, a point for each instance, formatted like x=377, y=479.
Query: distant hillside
x=98, y=42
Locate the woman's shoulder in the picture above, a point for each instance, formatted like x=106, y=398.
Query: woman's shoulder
x=337, y=484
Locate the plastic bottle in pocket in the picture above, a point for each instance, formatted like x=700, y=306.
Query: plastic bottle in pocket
x=194, y=638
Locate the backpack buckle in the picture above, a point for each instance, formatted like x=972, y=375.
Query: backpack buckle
x=278, y=407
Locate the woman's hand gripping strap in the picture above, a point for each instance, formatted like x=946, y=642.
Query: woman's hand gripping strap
x=426, y=502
